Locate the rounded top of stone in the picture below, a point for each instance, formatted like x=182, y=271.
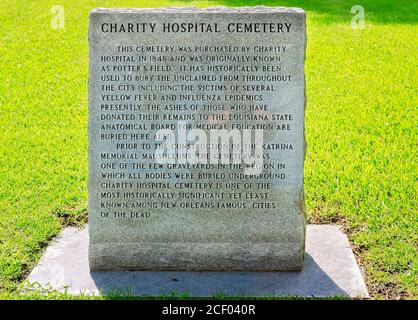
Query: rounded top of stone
x=218, y=9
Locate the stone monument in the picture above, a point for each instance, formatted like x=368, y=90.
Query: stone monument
x=196, y=139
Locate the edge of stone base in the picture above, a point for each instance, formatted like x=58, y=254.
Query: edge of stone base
x=330, y=271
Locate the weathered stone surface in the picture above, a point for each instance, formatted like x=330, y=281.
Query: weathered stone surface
x=330, y=270
x=251, y=63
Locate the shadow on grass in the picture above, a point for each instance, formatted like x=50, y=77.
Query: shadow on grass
x=121, y=295
x=338, y=11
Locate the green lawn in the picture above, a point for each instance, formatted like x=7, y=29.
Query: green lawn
x=362, y=117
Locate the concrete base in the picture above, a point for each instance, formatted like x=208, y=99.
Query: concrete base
x=330, y=270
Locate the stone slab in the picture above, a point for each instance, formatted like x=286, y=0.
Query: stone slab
x=330, y=270
x=245, y=215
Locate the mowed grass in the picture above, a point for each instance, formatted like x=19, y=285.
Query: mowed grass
x=361, y=125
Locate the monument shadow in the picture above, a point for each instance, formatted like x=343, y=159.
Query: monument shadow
x=313, y=281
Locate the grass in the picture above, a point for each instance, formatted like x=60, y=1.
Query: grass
x=35, y=291
x=361, y=123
